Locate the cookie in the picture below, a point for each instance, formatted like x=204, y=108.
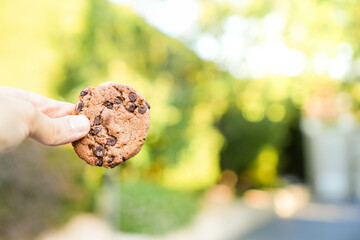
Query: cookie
x=120, y=120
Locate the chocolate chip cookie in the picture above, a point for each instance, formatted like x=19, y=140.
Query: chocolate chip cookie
x=120, y=120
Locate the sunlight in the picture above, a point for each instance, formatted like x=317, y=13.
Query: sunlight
x=174, y=18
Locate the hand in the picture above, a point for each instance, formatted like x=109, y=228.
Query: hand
x=25, y=114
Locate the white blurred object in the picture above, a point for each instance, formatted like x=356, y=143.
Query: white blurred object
x=329, y=150
x=355, y=168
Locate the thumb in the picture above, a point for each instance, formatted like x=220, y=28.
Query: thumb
x=58, y=131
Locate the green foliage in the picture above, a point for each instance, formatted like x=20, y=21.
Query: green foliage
x=116, y=45
x=150, y=208
x=261, y=115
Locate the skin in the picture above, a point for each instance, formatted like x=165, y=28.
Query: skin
x=25, y=114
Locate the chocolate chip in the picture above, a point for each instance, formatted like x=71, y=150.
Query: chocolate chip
x=111, y=141
x=84, y=92
x=109, y=105
x=118, y=100
x=131, y=107
x=95, y=131
x=111, y=159
x=132, y=97
x=147, y=104
x=99, y=151
x=79, y=106
x=142, y=109
x=90, y=146
x=99, y=162
x=123, y=159
x=97, y=120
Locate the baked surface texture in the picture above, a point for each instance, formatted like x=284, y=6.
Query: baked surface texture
x=120, y=119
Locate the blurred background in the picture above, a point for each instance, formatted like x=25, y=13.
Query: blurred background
x=254, y=120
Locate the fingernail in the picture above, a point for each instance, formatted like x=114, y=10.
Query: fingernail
x=79, y=123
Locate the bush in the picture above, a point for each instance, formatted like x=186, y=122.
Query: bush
x=152, y=209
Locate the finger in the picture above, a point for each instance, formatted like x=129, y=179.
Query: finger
x=58, y=131
x=48, y=106
x=36, y=99
x=57, y=109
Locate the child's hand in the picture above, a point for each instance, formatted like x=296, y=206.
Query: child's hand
x=25, y=114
